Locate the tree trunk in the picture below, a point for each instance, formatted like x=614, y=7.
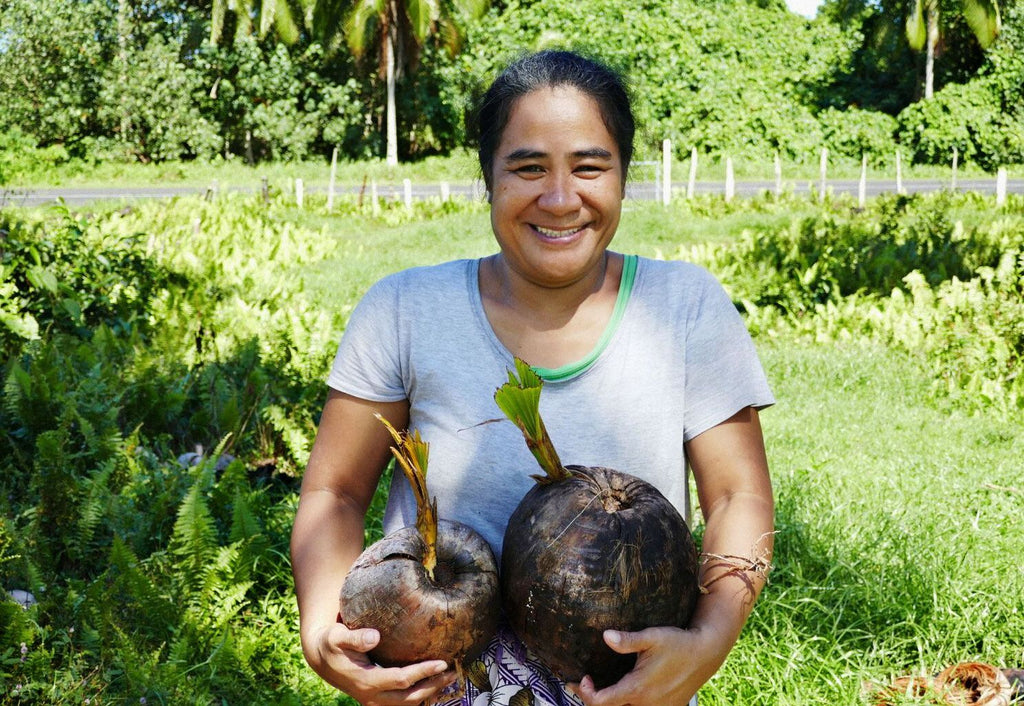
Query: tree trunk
x=122, y=60
x=392, y=118
x=932, y=42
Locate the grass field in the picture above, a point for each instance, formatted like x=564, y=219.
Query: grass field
x=900, y=516
x=900, y=522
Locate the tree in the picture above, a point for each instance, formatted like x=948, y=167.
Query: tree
x=398, y=29
x=234, y=18
x=924, y=30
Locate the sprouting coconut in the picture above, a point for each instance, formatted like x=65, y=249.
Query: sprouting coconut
x=431, y=591
x=586, y=550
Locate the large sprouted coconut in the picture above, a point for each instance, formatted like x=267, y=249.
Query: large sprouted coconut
x=588, y=549
x=431, y=591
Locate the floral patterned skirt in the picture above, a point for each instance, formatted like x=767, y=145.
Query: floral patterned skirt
x=507, y=674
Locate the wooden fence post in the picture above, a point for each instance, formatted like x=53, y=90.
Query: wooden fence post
x=666, y=172
x=693, y=174
x=265, y=190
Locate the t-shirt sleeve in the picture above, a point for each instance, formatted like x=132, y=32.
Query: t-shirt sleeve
x=723, y=371
x=368, y=362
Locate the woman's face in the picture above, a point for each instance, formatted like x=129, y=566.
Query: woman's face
x=556, y=187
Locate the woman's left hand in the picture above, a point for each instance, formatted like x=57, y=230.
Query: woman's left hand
x=671, y=665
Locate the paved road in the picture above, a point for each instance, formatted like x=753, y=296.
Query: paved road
x=79, y=196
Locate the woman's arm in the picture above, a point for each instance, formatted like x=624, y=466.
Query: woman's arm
x=731, y=474
x=351, y=450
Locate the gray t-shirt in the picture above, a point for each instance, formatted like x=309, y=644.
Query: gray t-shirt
x=679, y=362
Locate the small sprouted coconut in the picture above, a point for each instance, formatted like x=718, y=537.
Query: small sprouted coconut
x=430, y=590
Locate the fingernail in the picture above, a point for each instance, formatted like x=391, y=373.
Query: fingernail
x=370, y=637
x=612, y=637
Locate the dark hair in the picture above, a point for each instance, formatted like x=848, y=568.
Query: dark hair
x=555, y=68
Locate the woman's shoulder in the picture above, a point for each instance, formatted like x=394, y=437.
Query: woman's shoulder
x=424, y=278
x=674, y=273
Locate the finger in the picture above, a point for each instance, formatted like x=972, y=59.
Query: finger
x=362, y=640
x=419, y=692
x=629, y=642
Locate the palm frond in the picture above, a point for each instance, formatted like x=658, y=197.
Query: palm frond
x=983, y=18
x=917, y=31
x=422, y=15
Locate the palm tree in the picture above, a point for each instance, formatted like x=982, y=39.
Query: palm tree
x=923, y=30
x=256, y=17
x=398, y=29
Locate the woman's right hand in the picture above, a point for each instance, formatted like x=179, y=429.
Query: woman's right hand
x=339, y=656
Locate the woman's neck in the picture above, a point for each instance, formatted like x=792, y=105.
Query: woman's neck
x=549, y=326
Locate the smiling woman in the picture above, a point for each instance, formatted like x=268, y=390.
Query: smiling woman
x=649, y=367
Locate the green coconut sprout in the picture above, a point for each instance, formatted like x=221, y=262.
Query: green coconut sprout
x=411, y=452
x=519, y=399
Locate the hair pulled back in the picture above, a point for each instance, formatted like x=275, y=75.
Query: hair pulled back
x=547, y=69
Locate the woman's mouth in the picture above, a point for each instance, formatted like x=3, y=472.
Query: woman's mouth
x=558, y=233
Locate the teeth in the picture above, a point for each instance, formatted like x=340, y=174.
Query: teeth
x=548, y=233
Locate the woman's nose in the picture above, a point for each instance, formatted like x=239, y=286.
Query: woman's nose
x=560, y=195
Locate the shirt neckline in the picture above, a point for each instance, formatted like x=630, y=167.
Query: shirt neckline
x=571, y=370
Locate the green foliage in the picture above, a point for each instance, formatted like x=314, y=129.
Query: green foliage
x=907, y=272
x=20, y=156
x=169, y=580
x=725, y=81
x=854, y=133
x=149, y=107
x=50, y=66
x=157, y=578
x=967, y=117
x=67, y=275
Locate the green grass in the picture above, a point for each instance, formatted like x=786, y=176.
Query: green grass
x=899, y=533
x=899, y=518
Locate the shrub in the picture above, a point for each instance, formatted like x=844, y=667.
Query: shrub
x=967, y=117
x=854, y=132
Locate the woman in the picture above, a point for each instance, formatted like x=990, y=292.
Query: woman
x=649, y=370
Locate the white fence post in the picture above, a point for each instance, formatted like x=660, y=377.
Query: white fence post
x=823, y=181
x=862, y=188
x=899, y=173
x=407, y=187
x=298, y=193
x=374, y=203
x=956, y=158
x=666, y=172
x=693, y=174
x=778, y=175
x=730, y=180
x=330, y=186
x=445, y=192
x=1001, y=186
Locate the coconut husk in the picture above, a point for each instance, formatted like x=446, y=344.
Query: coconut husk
x=962, y=684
